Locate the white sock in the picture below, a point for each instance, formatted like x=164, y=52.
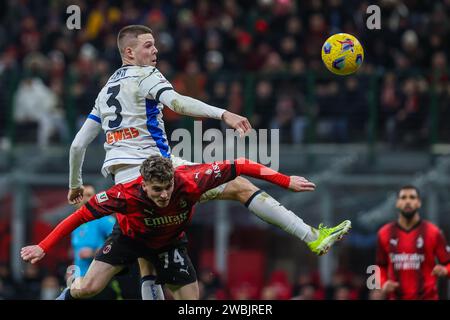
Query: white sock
x=271, y=211
x=150, y=290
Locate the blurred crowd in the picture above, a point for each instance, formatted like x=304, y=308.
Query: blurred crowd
x=251, y=57
x=38, y=284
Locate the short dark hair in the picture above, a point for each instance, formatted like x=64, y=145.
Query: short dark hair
x=130, y=32
x=157, y=168
x=409, y=187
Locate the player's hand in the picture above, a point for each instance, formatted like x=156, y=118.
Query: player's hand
x=390, y=286
x=300, y=184
x=32, y=253
x=237, y=122
x=86, y=253
x=439, y=271
x=75, y=195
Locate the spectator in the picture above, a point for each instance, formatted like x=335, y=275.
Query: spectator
x=31, y=284
x=408, y=123
x=264, y=104
x=35, y=103
x=7, y=285
x=50, y=288
x=292, y=127
x=210, y=285
x=278, y=287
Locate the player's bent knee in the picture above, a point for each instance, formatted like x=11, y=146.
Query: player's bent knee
x=241, y=189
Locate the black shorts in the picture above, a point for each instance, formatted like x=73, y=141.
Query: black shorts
x=173, y=265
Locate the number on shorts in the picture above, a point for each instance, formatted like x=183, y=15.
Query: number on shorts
x=166, y=259
x=177, y=258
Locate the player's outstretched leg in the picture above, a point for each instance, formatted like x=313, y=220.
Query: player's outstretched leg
x=271, y=211
x=97, y=277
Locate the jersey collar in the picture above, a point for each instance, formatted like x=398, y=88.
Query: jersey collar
x=412, y=228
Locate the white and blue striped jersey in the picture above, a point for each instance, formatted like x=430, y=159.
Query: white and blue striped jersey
x=130, y=114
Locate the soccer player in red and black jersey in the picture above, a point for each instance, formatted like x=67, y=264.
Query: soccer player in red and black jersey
x=407, y=250
x=153, y=212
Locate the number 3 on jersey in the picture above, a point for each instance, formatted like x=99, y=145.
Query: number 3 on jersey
x=113, y=102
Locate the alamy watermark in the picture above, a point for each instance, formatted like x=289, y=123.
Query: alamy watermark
x=74, y=19
x=374, y=280
x=212, y=145
x=374, y=20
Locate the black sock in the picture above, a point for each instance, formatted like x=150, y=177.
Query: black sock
x=150, y=277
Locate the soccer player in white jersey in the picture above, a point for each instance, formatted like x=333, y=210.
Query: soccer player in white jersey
x=129, y=110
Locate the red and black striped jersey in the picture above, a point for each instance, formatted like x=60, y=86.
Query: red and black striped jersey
x=156, y=227
x=409, y=256
x=141, y=219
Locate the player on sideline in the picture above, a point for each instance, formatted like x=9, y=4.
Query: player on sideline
x=407, y=249
x=89, y=237
x=153, y=212
x=128, y=109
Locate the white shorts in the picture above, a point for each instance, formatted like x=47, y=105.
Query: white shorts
x=130, y=172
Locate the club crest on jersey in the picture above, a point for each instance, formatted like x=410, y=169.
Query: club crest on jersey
x=183, y=203
x=208, y=172
x=101, y=197
x=216, y=170
x=419, y=242
x=107, y=249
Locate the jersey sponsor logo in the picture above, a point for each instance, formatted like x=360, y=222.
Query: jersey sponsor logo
x=407, y=261
x=122, y=134
x=101, y=197
x=166, y=220
x=196, y=175
x=419, y=242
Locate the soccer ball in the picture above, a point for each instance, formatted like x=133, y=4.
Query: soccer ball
x=342, y=54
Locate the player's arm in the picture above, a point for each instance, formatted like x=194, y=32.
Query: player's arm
x=35, y=253
x=387, y=286
x=442, y=252
x=102, y=204
x=221, y=172
x=256, y=170
x=156, y=86
x=84, y=137
x=195, y=108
